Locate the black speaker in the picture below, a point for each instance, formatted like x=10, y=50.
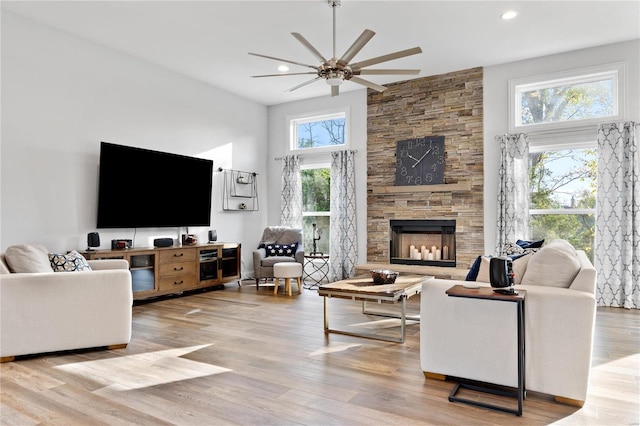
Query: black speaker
x=213, y=235
x=501, y=275
x=163, y=242
x=93, y=240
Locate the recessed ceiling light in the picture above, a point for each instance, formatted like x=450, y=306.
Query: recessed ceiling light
x=509, y=15
x=283, y=68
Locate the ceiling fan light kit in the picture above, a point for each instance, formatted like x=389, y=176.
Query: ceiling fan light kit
x=335, y=71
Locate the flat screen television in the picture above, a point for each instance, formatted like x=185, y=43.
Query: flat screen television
x=141, y=188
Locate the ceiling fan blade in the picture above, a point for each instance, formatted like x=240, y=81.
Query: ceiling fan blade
x=368, y=84
x=303, y=84
x=387, y=72
x=309, y=46
x=280, y=75
x=356, y=47
x=284, y=60
x=384, y=58
x=335, y=91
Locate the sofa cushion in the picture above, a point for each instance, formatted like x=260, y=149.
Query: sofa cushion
x=483, y=272
x=519, y=266
x=281, y=249
x=70, y=262
x=472, y=275
x=27, y=258
x=555, y=265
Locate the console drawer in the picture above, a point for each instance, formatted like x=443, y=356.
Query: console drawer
x=178, y=283
x=172, y=269
x=178, y=255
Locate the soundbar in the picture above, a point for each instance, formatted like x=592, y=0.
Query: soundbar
x=163, y=242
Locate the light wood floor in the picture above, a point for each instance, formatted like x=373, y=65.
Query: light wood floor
x=241, y=356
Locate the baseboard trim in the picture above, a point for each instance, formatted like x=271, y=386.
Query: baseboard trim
x=434, y=376
x=7, y=359
x=569, y=401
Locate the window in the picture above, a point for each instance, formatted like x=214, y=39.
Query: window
x=562, y=184
x=560, y=112
x=567, y=100
x=316, y=184
x=319, y=132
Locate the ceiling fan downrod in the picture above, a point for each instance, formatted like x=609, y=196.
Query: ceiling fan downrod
x=334, y=4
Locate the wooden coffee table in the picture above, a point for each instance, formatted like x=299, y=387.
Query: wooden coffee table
x=363, y=289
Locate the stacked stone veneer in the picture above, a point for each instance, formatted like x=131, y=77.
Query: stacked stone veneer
x=449, y=105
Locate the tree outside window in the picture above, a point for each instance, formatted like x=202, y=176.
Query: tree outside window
x=316, y=184
x=563, y=196
x=319, y=131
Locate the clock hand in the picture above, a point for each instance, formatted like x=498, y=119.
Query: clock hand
x=421, y=158
x=412, y=157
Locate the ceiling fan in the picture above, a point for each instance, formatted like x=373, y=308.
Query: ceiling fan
x=336, y=70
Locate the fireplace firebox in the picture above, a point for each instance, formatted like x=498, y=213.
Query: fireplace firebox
x=423, y=242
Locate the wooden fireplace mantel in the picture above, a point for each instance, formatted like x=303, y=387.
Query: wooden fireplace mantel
x=445, y=187
x=436, y=271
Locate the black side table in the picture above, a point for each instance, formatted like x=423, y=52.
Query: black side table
x=487, y=293
x=319, y=262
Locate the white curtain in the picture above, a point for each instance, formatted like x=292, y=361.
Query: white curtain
x=291, y=197
x=617, y=246
x=513, y=192
x=343, y=250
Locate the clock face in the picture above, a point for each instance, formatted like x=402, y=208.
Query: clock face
x=420, y=161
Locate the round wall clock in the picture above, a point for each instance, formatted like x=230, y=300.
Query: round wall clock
x=420, y=161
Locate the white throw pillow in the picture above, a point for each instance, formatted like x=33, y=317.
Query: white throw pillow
x=555, y=265
x=520, y=266
x=483, y=271
x=27, y=258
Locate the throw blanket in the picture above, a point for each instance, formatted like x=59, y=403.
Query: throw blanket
x=272, y=234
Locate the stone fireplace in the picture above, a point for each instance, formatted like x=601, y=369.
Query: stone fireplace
x=423, y=242
x=448, y=105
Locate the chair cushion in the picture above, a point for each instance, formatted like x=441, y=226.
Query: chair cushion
x=28, y=258
x=281, y=249
x=70, y=262
x=272, y=260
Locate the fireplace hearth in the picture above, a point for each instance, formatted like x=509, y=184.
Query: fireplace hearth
x=423, y=242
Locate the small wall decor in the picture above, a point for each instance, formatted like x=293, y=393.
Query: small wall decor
x=240, y=190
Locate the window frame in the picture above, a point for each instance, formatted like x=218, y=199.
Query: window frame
x=616, y=71
x=294, y=120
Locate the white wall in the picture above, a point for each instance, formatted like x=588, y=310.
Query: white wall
x=356, y=102
x=496, y=102
x=62, y=95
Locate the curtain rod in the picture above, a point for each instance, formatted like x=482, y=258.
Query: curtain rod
x=312, y=154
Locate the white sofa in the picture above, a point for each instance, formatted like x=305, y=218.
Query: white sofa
x=55, y=311
x=476, y=339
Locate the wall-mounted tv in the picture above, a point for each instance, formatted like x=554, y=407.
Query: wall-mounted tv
x=141, y=188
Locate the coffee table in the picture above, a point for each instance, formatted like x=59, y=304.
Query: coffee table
x=363, y=289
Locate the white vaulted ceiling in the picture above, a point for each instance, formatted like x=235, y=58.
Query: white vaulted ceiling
x=209, y=40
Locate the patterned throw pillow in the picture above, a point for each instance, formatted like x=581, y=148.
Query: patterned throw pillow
x=282, y=249
x=70, y=262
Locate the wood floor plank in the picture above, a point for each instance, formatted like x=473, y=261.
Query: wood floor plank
x=245, y=356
